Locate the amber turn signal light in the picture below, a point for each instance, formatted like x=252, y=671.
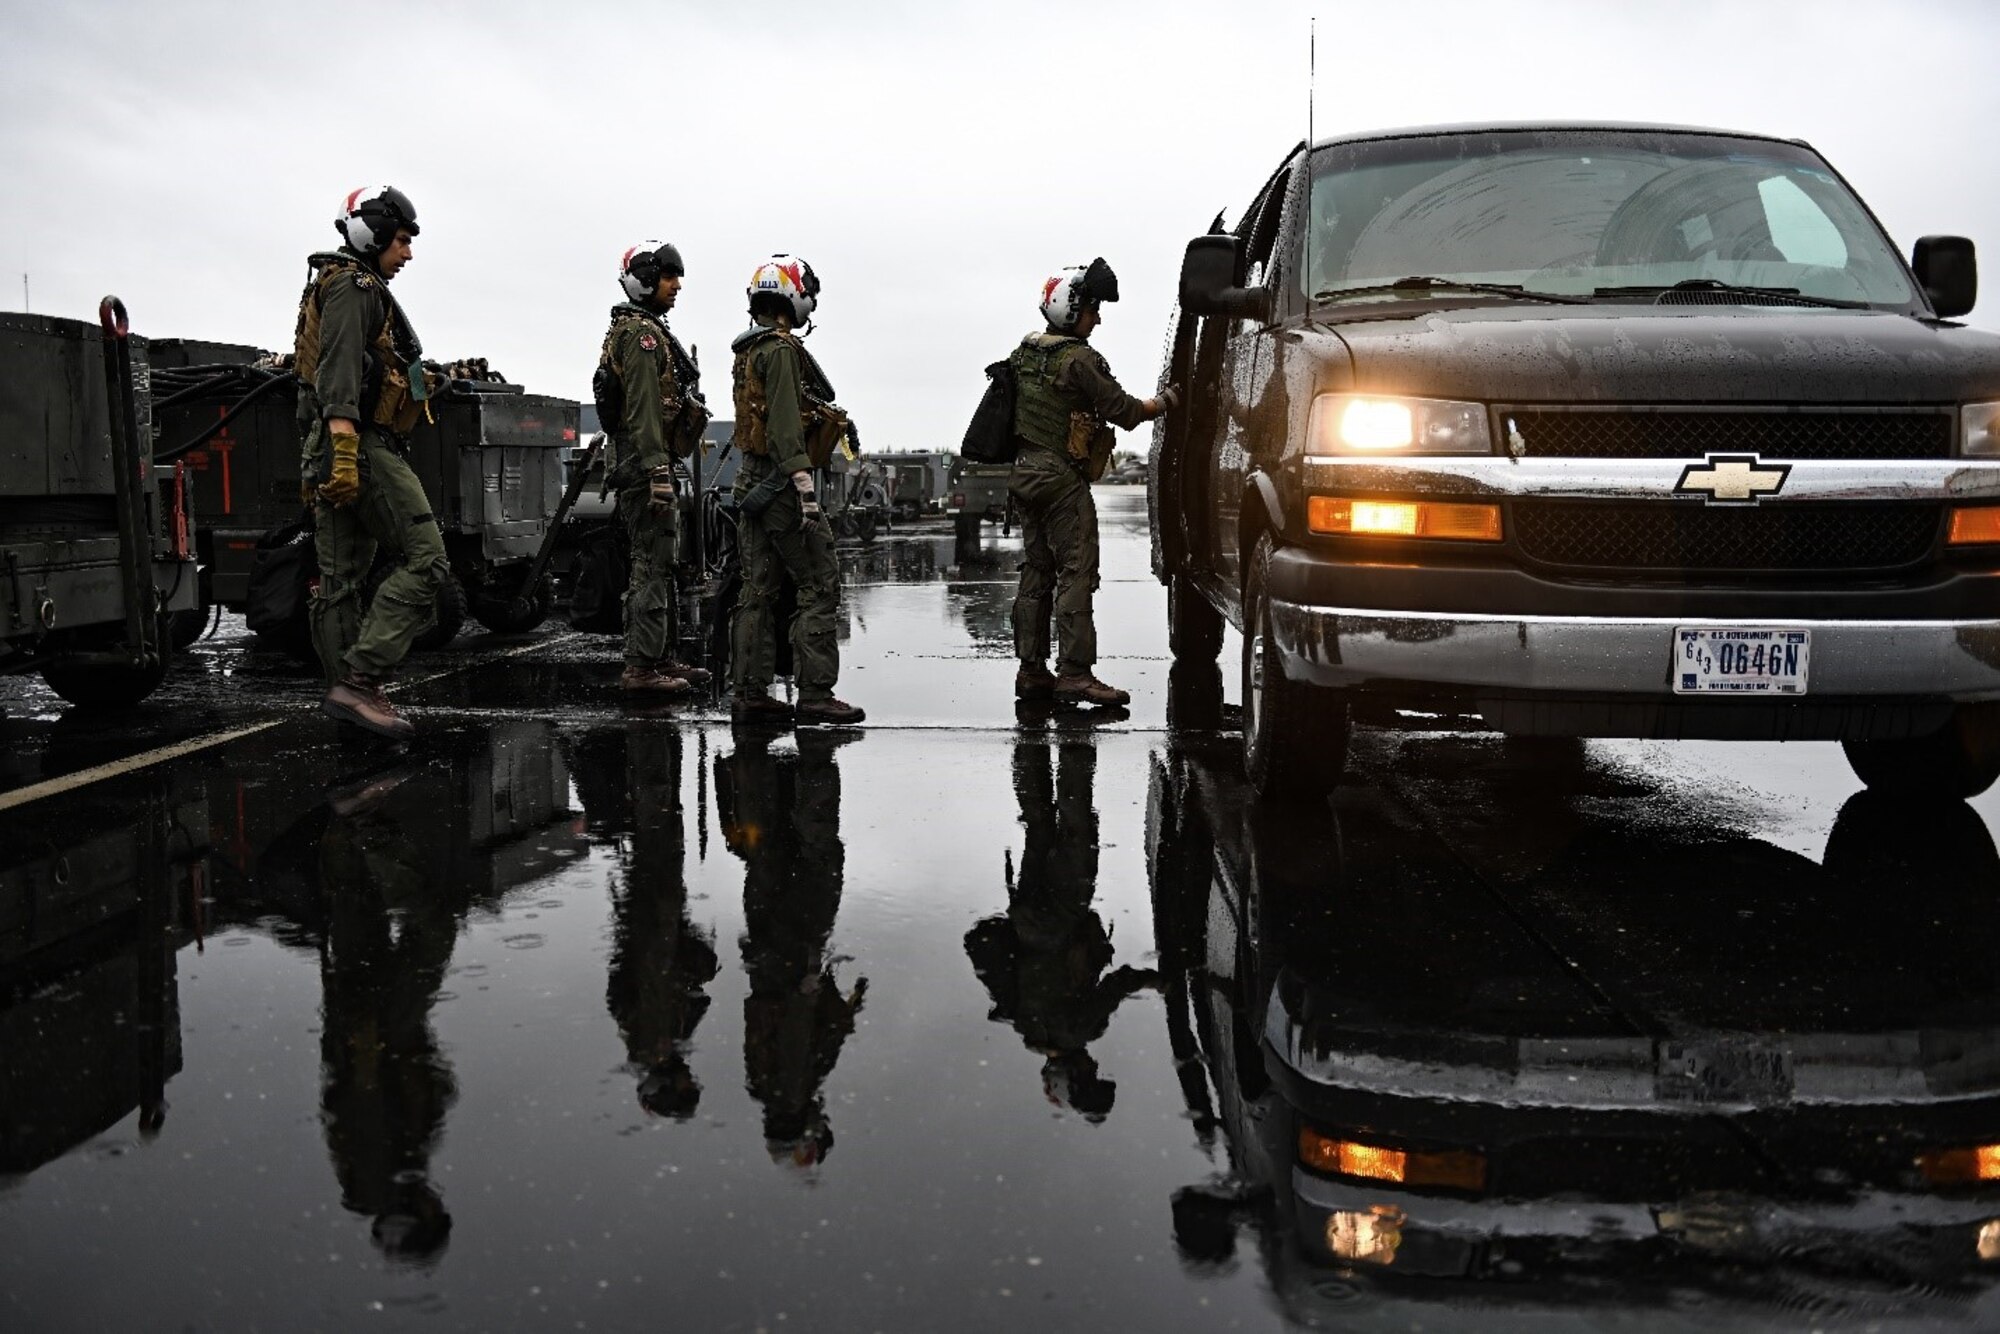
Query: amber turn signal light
x=1453, y=1169
x=1404, y=518
x=1961, y=1167
x=1973, y=524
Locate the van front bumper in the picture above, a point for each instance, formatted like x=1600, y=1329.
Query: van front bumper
x=1589, y=655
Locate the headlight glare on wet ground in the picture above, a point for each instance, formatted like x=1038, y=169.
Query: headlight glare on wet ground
x=1371, y=1237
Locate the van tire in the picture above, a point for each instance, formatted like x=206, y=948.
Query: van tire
x=1294, y=734
x=1194, y=626
x=1960, y=759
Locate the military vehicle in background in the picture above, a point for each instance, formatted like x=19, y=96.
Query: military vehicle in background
x=919, y=481
x=978, y=494
x=95, y=547
x=492, y=461
x=92, y=914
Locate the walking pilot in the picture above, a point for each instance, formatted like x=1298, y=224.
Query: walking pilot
x=362, y=390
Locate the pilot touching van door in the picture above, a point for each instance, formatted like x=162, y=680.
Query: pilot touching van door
x=1065, y=403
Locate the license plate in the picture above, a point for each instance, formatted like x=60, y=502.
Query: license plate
x=1740, y=660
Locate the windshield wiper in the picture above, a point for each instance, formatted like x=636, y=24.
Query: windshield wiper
x=1789, y=295
x=1423, y=283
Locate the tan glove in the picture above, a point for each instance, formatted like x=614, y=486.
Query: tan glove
x=343, y=484
x=802, y=482
x=660, y=488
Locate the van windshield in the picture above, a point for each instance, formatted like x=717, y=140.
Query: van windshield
x=1620, y=215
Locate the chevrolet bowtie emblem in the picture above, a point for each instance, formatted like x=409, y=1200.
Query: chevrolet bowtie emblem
x=1732, y=479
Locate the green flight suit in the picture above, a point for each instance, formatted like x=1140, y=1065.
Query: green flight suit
x=352, y=312
x=661, y=386
x=1052, y=495
x=782, y=541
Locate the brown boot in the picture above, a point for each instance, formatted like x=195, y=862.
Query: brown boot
x=1033, y=681
x=829, y=710
x=651, y=681
x=755, y=706
x=698, y=677
x=1085, y=688
x=359, y=700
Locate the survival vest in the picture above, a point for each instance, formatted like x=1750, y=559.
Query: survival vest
x=387, y=400
x=1041, y=411
x=1044, y=415
x=683, y=413
x=821, y=424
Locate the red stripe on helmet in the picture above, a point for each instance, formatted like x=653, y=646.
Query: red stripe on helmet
x=354, y=195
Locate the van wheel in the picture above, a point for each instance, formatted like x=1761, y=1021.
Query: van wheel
x=1294, y=734
x=1960, y=759
x=102, y=686
x=1194, y=626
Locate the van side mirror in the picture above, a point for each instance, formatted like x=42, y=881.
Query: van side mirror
x=1208, y=281
x=1946, y=267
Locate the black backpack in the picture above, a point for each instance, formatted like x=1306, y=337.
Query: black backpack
x=607, y=393
x=281, y=574
x=990, y=438
x=277, y=606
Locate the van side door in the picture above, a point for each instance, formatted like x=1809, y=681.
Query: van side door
x=1244, y=370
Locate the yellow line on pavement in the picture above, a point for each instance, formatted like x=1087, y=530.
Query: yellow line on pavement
x=21, y=796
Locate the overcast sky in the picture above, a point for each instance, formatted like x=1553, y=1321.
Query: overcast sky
x=934, y=161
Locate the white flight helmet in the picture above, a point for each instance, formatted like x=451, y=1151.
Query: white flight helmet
x=787, y=283
x=641, y=268
x=370, y=217
x=1066, y=295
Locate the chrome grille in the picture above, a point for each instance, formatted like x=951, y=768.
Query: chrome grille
x=1672, y=537
x=1673, y=433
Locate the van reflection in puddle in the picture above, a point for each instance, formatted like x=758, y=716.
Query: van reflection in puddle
x=1643, y=1067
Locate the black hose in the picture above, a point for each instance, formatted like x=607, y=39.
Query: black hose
x=214, y=428
x=198, y=381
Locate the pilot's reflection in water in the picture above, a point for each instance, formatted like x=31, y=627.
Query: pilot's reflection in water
x=781, y=814
x=390, y=928
x=661, y=962
x=1655, y=1068
x=1044, y=961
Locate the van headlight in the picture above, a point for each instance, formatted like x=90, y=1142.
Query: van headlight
x=1375, y=424
x=1979, y=430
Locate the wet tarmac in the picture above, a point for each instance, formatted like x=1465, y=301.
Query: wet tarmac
x=585, y=1017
